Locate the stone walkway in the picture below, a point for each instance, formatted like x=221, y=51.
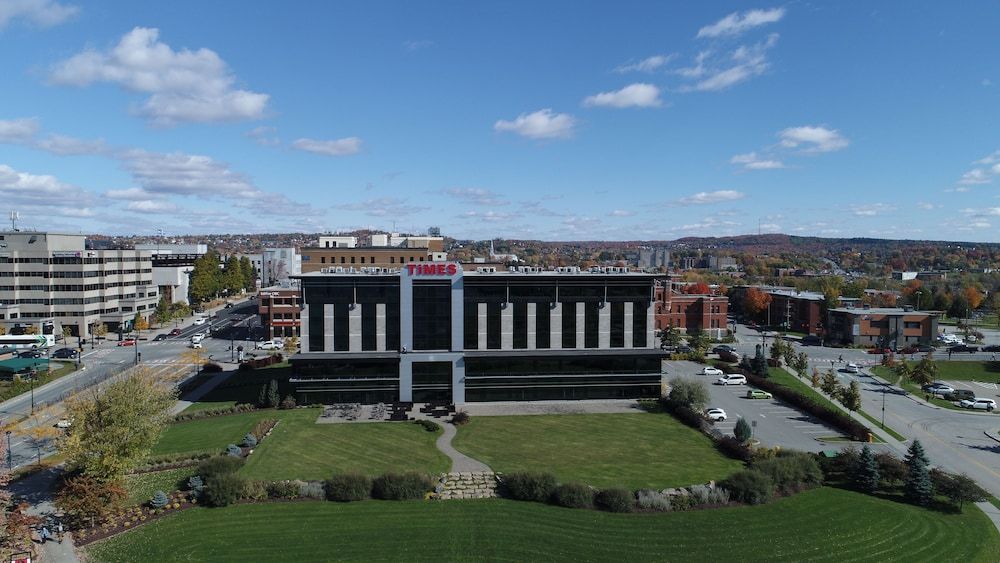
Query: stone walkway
x=460, y=463
x=471, y=484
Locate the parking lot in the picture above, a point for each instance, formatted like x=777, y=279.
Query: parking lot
x=774, y=423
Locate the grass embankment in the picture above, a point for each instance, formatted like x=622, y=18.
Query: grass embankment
x=603, y=450
x=825, y=524
x=957, y=371
x=142, y=486
x=11, y=389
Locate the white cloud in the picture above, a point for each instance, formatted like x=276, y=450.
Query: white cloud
x=621, y=213
x=736, y=23
x=987, y=82
x=813, y=139
x=638, y=95
x=151, y=206
x=649, y=64
x=488, y=216
x=704, y=198
x=130, y=194
x=337, y=147
x=707, y=224
x=80, y=212
x=476, y=196
x=542, y=124
x=184, y=86
x=871, y=209
x=39, y=191
x=264, y=135
x=43, y=13
x=991, y=158
x=382, y=207
x=751, y=161
x=18, y=130
x=65, y=146
x=744, y=63
x=770, y=227
x=927, y=206
x=416, y=45
x=186, y=174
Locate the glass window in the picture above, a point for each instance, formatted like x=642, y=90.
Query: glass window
x=520, y=325
x=470, y=329
x=543, y=325
x=316, y=336
x=569, y=325
x=432, y=316
x=591, y=325
x=369, y=339
x=639, y=337
x=493, y=326
x=341, y=327
x=617, y=324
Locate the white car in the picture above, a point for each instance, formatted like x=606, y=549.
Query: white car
x=196, y=345
x=64, y=423
x=711, y=371
x=978, y=403
x=732, y=379
x=941, y=389
x=852, y=368
x=715, y=415
x=199, y=321
x=268, y=345
x=197, y=338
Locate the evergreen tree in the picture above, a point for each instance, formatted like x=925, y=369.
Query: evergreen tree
x=233, y=278
x=206, y=277
x=851, y=397
x=273, y=399
x=917, y=488
x=743, y=431
x=262, y=396
x=866, y=476
x=249, y=274
x=162, y=312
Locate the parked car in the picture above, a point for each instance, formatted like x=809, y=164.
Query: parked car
x=715, y=415
x=268, y=345
x=879, y=350
x=199, y=321
x=175, y=332
x=758, y=394
x=962, y=348
x=811, y=340
x=852, y=368
x=931, y=385
x=732, y=379
x=941, y=390
x=195, y=344
x=127, y=342
x=684, y=350
x=228, y=306
x=64, y=423
x=722, y=348
x=65, y=353
x=30, y=354
x=707, y=370
x=960, y=395
x=991, y=348
x=160, y=337
x=979, y=403
x=197, y=338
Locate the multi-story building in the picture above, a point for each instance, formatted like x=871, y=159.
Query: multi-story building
x=893, y=328
x=388, y=250
x=279, y=265
x=172, y=267
x=798, y=311
x=433, y=332
x=53, y=281
x=279, y=310
x=653, y=257
x=690, y=312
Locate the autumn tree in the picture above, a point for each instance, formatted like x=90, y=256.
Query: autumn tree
x=14, y=524
x=972, y=296
x=87, y=501
x=698, y=288
x=116, y=425
x=140, y=323
x=755, y=302
x=851, y=396
x=925, y=371
x=233, y=279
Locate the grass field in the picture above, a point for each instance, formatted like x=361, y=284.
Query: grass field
x=821, y=525
x=205, y=406
x=301, y=449
x=969, y=371
x=207, y=434
x=632, y=450
x=142, y=486
x=11, y=389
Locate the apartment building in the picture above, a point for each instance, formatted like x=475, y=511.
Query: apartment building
x=883, y=327
x=279, y=309
x=690, y=312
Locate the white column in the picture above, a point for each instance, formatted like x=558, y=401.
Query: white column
x=628, y=324
x=481, y=326
x=650, y=325
x=304, y=328
x=380, y=327
x=555, y=327
x=531, y=325
x=328, y=327
x=581, y=325
x=507, y=327
x=354, y=327
x=604, y=326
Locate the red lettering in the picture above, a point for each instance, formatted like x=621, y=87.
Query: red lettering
x=440, y=270
x=452, y=269
x=409, y=268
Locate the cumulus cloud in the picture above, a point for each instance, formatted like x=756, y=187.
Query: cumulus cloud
x=488, y=216
x=186, y=174
x=382, y=207
x=542, y=124
x=336, y=147
x=649, y=64
x=638, y=95
x=707, y=224
x=751, y=161
x=264, y=136
x=43, y=13
x=476, y=196
x=130, y=194
x=813, y=139
x=736, y=23
x=151, y=206
x=183, y=86
x=705, y=198
x=18, y=130
x=621, y=213
x=39, y=191
x=927, y=206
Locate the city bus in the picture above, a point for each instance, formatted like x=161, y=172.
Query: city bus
x=26, y=341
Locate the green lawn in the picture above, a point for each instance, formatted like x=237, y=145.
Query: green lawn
x=966, y=371
x=988, y=372
x=301, y=449
x=206, y=406
x=11, y=389
x=821, y=525
x=632, y=450
x=142, y=486
x=207, y=434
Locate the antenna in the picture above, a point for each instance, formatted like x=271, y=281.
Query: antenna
x=14, y=216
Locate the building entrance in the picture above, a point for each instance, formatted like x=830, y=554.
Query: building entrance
x=432, y=382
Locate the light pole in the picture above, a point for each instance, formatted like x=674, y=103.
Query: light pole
x=10, y=456
x=34, y=373
x=885, y=389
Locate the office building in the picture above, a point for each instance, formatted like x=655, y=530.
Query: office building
x=172, y=267
x=690, y=312
x=278, y=265
x=279, y=310
x=882, y=327
x=387, y=250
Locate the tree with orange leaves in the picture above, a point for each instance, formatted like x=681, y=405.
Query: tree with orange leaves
x=973, y=296
x=698, y=288
x=755, y=302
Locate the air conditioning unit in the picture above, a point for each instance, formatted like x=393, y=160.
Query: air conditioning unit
x=486, y=270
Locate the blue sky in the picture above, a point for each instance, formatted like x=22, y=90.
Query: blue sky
x=550, y=120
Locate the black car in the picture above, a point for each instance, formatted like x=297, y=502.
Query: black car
x=65, y=353
x=960, y=394
x=30, y=354
x=722, y=348
x=811, y=340
x=160, y=337
x=963, y=348
x=991, y=348
x=228, y=306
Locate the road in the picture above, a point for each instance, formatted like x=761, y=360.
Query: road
x=107, y=359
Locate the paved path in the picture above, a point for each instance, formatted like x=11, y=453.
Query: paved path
x=36, y=489
x=460, y=463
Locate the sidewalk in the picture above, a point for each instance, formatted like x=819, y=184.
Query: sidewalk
x=36, y=489
x=460, y=463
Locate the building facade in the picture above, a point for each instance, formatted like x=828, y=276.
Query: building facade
x=172, y=267
x=892, y=328
x=798, y=311
x=279, y=309
x=653, y=258
x=433, y=332
x=53, y=281
x=279, y=265
x=689, y=312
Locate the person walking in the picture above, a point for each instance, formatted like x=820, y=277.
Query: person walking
x=60, y=532
x=45, y=534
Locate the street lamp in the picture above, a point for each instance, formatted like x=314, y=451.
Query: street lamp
x=34, y=373
x=10, y=456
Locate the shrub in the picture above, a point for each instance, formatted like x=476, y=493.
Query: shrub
x=311, y=489
x=223, y=489
x=287, y=403
x=684, y=414
x=196, y=486
x=347, y=487
x=219, y=465
x=211, y=367
x=282, y=489
x=250, y=440
x=428, y=425
x=791, y=472
x=262, y=428
x=689, y=393
x=460, y=418
x=656, y=501
x=703, y=495
x=573, y=495
x=730, y=357
x=733, y=448
x=400, y=486
x=246, y=366
x=254, y=490
x=159, y=500
x=615, y=500
x=749, y=487
x=524, y=485
x=233, y=450
x=743, y=432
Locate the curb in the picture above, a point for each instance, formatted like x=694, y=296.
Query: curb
x=995, y=435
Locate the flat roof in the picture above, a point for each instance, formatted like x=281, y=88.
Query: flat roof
x=881, y=311
x=499, y=273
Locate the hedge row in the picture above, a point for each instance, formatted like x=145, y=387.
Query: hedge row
x=209, y=413
x=836, y=418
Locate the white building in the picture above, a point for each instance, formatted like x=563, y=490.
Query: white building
x=337, y=241
x=172, y=267
x=278, y=264
x=52, y=281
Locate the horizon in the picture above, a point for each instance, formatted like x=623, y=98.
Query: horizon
x=580, y=123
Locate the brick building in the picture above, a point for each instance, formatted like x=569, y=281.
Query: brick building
x=689, y=312
x=893, y=328
x=280, y=309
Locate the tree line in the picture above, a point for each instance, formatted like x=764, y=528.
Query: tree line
x=212, y=278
